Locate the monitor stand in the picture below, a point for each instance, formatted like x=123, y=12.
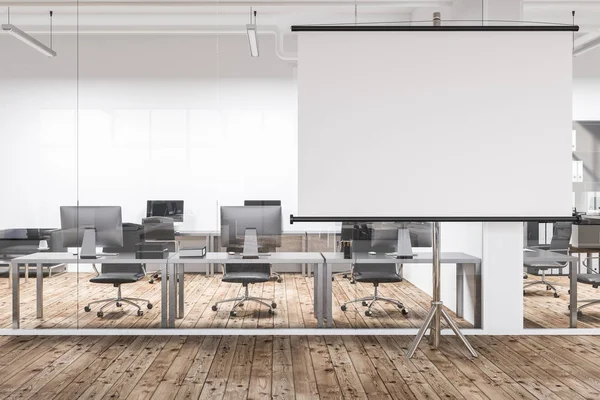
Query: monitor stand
x=88, y=245
x=250, y=244
x=404, y=247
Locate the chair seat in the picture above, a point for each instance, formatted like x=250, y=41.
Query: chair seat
x=377, y=277
x=590, y=279
x=246, y=277
x=116, y=278
x=546, y=266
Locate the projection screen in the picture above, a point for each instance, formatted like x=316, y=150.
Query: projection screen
x=434, y=123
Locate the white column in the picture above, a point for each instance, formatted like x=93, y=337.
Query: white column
x=502, y=277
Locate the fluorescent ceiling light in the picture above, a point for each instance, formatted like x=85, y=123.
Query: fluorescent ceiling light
x=25, y=38
x=252, y=39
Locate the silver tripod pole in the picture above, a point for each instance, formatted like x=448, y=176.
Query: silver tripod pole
x=433, y=319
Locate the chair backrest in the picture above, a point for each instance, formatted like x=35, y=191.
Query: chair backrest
x=561, y=236
x=132, y=235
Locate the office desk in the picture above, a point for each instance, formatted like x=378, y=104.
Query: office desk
x=177, y=264
x=464, y=263
x=533, y=256
x=69, y=258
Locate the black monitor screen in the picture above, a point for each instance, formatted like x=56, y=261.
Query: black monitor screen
x=165, y=208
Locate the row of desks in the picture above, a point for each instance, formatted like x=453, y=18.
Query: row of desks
x=172, y=290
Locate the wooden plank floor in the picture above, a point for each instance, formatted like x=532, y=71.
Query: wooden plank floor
x=297, y=367
x=542, y=310
x=64, y=301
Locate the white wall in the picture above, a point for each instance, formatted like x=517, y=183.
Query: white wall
x=178, y=117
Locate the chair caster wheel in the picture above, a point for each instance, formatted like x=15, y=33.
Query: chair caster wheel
x=404, y=311
x=119, y=304
x=364, y=303
x=149, y=306
x=569, y=291
x=271, y=311
x=140, y=313
x=273, y=305
x=232, y=313
x=151, y=281
x=352, y=282
x=155, y=276
x=556, y=295
x=345, y=276
x=569, y=307
x=279, y=280
x=580, y=313
x=523, y=293
x=343, y=308
x=214, y=308
x=368, y=313
x=87, y=309
x=332, y=279
x=548, y=288
x=100, y=314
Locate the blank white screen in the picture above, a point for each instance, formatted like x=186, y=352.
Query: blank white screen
x=434, y=123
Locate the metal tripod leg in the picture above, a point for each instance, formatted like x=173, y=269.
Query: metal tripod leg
x=415, y=343
x=458, y=333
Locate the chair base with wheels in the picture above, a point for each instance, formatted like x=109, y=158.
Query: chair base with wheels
x=543, y=281
x=118, y=301
x=276, y=276
x=369, y=301
x=239, y=302
x=592, y=279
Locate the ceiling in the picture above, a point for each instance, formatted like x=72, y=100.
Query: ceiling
x=182, y=14
x=231, y=16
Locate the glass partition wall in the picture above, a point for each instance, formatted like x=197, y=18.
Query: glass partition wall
x=143, y=141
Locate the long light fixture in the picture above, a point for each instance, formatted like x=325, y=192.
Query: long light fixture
x=252, y=35
x=587, y=46
x=30, y=40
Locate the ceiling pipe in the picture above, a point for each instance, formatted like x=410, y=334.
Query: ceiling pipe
x=257, y=3
x=224, y=30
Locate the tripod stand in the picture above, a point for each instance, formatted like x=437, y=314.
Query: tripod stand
x=433, y=319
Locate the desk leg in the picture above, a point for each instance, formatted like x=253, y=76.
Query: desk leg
x=172, y=278
x=319, y=292
x=16, y=294
x=10, y=275
x=180, y=268
x=316, y=289
x=477, y=295
x=26, y=273
x=460, y=291
x=578, y=263
x=164, y=300
x=328, y=295
x=573, y=297
x=40, y=291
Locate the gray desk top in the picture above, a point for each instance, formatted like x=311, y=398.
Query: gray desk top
x=419, y=258
x=536, y=256
x=69, y=258
x=273, y=258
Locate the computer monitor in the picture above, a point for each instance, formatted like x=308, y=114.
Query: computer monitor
x=89, y=227
x=240, y=223
x=165, y=208
x=262, y=202
x=399, y=238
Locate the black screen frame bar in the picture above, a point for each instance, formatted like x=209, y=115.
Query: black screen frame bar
x=431, y=28
x=574, y=218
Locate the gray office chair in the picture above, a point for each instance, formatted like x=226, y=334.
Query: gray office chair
x=376, y=274
x=591, y=278
x=559, y=244
x=119, y=274
x=159, y=229
x=247, y=274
